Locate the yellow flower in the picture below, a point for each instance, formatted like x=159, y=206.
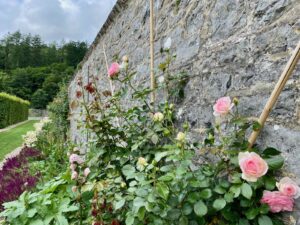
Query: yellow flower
x=142, y=161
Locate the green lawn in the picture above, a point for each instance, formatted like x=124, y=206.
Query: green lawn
x=12, y=139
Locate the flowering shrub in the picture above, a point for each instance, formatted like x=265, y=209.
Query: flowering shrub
x=15, y=176
x=31, y=137
x=145, y=172
x=141, y=169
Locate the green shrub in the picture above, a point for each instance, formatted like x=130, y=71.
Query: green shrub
x=12, y=110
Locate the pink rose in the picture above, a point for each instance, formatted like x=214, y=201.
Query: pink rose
x=252, y=166
x=86, y=172
x=74, y=175
x=288, y=187
x=74, y=158
x=114, y=69
x=223, y=106
x=277, y=201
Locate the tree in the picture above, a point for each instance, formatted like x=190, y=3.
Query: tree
x=39, y=99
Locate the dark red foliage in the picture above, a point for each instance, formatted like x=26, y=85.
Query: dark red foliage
x=90, y=88
x=15, y=177
x=78, y=94
x=115, y=222
x=98, y=223
x=94, y=212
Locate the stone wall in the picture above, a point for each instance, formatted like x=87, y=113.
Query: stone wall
x=227, y=47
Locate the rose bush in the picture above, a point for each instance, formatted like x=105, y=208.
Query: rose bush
x=140, y=166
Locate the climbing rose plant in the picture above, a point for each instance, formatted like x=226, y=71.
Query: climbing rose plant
x=142, y=167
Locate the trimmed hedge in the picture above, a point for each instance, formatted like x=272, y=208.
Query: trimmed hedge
x=12, y=110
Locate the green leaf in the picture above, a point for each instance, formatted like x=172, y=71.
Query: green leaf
x=119, y=204
x=200, y=208
x=206, y=193
x=128, y=171
x=219, y=204
x=154, y=139
x=62, y=220
x=129, y=219
x=264, y=220
x=220, y=190
x=141, y=213
x=167, y=177
x=236, y=190
x=183, y=221
x=160, y=155
x=162, y=190
x=275, y=162
x=246, y=191
x=256, y=126
x=31, y=212
x=243, y=222
x=270, y=182
x=252, y=213
x=264, y=209
x=187, y=209
x=229, y=196
x=271, y=152
x=37, y=222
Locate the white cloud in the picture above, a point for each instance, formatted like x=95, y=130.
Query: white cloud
x=55, y=20
x=68, y=6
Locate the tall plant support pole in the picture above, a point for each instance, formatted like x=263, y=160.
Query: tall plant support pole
x=107, y=68
x=152, y=51
x=287, y=72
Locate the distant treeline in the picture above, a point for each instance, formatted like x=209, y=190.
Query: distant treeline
x=33, y=70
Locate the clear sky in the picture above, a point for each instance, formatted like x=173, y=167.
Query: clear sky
x=55, y=20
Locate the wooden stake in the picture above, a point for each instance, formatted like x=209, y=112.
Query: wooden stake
x=152, y=50
x=107, y=68
x=276, y=92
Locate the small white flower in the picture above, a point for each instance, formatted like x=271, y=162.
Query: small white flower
x=180, y=137
x=168, y=44
x=161, y=79
x=158, y=117
x=125, y=58
x=276, y=127
x=141, y=163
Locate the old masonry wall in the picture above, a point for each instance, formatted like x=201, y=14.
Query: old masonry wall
x=227, y=47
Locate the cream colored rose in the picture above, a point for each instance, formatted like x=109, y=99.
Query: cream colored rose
x=288, y=187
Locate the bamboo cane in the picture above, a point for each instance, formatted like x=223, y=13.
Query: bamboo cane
x=152, y=50
x=107, y=68
x=276, y=92
x=110, y=80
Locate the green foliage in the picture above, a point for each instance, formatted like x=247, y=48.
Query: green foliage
x=52, y=204
x=59, y=111
x=52, y=140
x=12, y=109
x=33, y=70
x=24, y=50
x=39, y=85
